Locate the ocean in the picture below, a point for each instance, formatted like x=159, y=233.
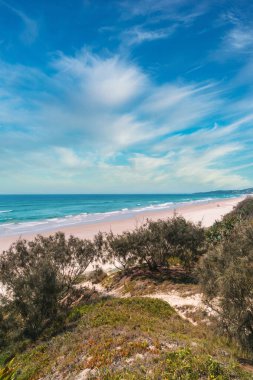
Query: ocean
x=36, y=213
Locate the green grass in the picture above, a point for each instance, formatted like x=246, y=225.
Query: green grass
x=131, y=338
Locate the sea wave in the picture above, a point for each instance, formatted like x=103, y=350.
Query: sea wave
x=5, y=211
x=70, y=220
x=55, y=223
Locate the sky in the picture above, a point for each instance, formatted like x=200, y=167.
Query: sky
x=126, y=96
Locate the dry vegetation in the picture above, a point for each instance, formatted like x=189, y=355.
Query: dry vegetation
x=132, y=338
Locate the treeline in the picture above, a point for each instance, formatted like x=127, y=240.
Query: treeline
x=39, y=277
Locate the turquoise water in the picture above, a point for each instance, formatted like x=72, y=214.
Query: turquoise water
x=27, y=213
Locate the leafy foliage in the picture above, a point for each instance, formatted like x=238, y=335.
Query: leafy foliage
x=185, y=240
x=222, y=229
x=119, y=249
x=154, y=244
x=151, y=246
x=226, y=275
x=38, y=277
x=243, y=211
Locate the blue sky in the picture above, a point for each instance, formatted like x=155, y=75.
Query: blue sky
x=123, y=96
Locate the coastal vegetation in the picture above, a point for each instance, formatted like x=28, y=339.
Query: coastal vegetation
x=53, y=326
x=155, y=244
x=226, y=276
x=38, y=279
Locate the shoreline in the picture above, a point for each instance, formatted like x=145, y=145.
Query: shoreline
x=206, y=213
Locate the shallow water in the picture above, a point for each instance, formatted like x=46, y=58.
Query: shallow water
x=34, y=213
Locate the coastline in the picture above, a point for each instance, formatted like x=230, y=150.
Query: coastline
x=206, y=213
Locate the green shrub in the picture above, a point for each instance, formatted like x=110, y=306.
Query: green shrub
x=174, y=238
x=118, y=249
x=243, y=210
x=226, y=276
x=222, y=229
x=154, y=244
x=38, y=277
x=185, y=240
x=184, y=365
x=96, y=276
x=151, y=247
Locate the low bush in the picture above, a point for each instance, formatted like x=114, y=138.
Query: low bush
x=226, y=276
x=155, y=244
x=118, y=249
x=151, y=247
x=222, y=229
x=185, y=240
x=243, y=211
x=96, y=276
x=163, y=241
x=38, y=277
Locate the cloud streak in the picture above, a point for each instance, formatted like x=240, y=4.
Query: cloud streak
x=138, y=35
x=30, y=32
x=103, y=121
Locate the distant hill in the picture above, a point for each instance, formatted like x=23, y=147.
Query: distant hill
x=235, y=192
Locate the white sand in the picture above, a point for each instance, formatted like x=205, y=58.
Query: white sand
x=206, y=213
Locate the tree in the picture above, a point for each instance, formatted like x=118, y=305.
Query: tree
x=39, y=275
x=226, y=276
x=185, y=240
x=118, y=249
x=151, y=245
x=154, y=244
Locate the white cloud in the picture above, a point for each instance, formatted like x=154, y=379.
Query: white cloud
x=204, y=166
x=137, y=35
x=146, y=16
x=240, y=38
x=102, y=124
x=108, y=81
x=69, y=159
x=237, y=39
x=184, y=11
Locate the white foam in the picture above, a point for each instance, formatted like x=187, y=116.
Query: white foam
x=84, y=218
x=5, y=211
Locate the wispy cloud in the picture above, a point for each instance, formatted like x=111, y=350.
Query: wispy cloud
x=238, y=37
x=138, y=35
x=102, y=119
x=184, y=11
x=30, y=31
x=145, y=15
x=203, y=165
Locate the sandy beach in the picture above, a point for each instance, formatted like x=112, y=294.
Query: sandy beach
x=206, y=213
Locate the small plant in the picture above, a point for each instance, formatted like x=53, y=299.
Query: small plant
x=184, y=365
x=96, y=276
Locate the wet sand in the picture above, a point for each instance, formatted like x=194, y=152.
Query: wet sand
x=205, y=213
